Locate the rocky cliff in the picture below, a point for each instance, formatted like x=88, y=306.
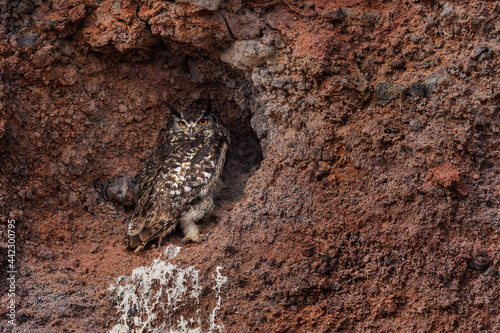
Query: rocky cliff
x=361, y=190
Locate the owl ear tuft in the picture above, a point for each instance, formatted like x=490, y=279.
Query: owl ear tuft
x=173, y=110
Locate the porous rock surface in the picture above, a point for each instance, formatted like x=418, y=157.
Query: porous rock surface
x=362, y=185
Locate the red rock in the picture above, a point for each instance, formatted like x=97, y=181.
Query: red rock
x=391, y=98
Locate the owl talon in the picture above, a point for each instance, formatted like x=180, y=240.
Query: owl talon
x=205, y=237
x=196, y=239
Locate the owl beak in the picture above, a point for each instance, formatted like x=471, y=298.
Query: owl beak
x=191, y=132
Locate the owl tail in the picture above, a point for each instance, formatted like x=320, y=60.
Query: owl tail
x=137, y=242
x=131, y=242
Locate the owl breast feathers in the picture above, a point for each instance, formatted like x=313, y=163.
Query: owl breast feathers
x=179, y=181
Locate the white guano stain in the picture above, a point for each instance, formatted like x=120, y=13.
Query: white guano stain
x=152, y=298
x=216, y=325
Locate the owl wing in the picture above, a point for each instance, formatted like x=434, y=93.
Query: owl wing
x=145, y=180
x=170, y=187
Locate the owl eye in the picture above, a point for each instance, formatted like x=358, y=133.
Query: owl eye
x=203, y=121
x=181, y=123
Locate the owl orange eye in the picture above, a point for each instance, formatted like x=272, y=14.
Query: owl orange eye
x=181, y=123
x=203, y=121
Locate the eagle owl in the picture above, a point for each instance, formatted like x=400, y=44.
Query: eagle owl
x=178, y=183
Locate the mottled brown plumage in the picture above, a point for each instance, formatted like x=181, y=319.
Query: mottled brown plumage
x=180, y=180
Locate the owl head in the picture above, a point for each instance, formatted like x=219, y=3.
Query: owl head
x=192, y=125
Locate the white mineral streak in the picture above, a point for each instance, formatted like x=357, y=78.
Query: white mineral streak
x=152, y=297
x=220, y=280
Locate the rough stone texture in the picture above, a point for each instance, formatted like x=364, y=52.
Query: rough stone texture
x=247, y=54
x=362, y=183
x=204, y=4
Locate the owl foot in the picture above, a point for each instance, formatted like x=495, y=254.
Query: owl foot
x=196, y=238
x=205, y=237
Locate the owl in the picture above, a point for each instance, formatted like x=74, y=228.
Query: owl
x=178, y=183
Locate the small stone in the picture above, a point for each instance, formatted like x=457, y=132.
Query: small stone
x=73, y=198
x=281, y=83
x=398, y=63
x=315, y=153
x=429, y=189
x=416, y=125
x=204, y=4
x=275, y=39
x=55, y=23
x=69, y=77
x=326, y=156
x=415, y=38
x=334, y=15
x=480, y=264
x=434, y=81
x=263, y=77
x=247, y=54
x=446, y=176
x=416, y=89
x=27, y=40
x=123, y=190
x=325, y=269
x=277, y=69
x=16, y=215
x=447, y=10
x=46, y=255
x=25, y=7
x=387, y=91
x=477, y=52
x=116, y=7
x=22, y=194
x=330, y=181
x=21, y=317
x=322, y=173
x=76, y=263
x=45, y=56
x=122, y=108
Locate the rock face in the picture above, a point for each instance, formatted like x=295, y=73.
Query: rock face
x=247, y=54
x=362, y=184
